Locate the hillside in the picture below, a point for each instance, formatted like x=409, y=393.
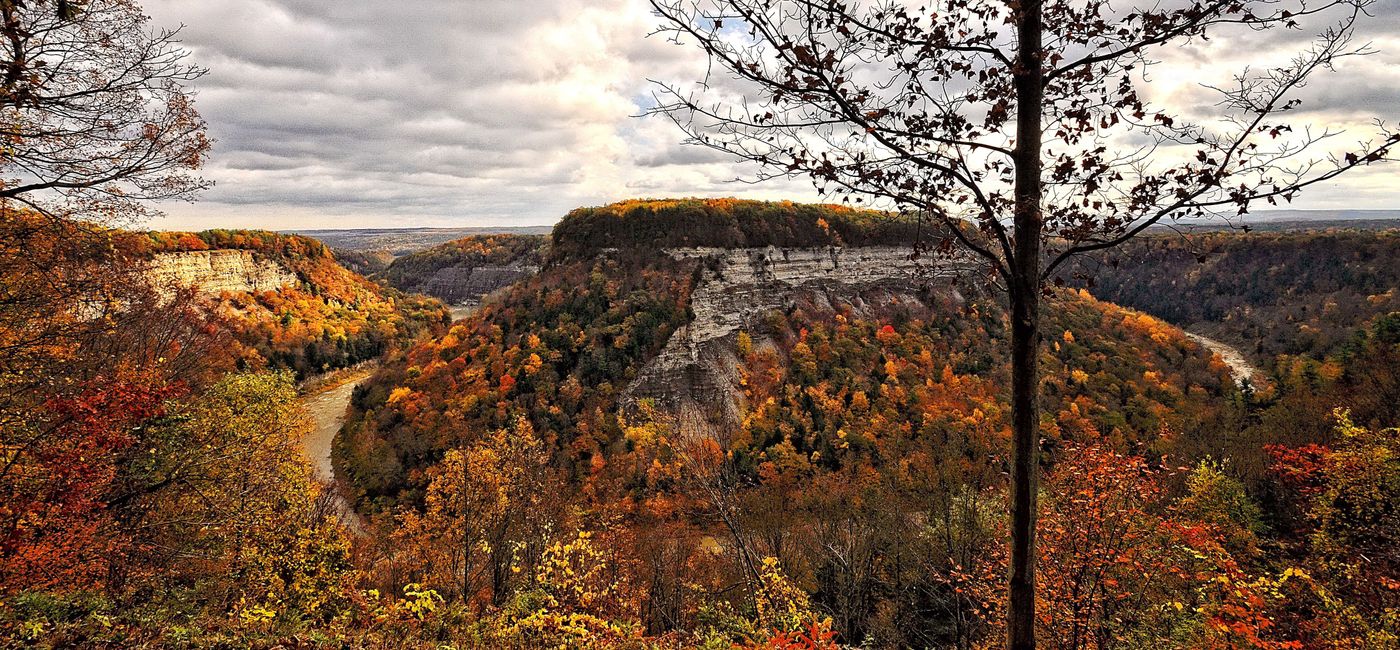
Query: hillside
x=852, y=366
x=581, y=347
x=287, y=300
x=368, y=263
x=463, y=270
x=1317, y=310
x=1266, y=293
x=696, y=445
x=727, y=223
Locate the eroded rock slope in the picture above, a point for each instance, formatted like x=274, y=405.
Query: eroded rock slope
x=213, y=272
x=695, y=378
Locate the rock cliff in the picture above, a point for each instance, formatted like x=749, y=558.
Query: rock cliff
x=213, y=272
x=695, y=379
x=467, y=285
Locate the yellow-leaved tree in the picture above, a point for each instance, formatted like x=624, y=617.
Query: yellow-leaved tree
x=486, y=512
x=223, y=498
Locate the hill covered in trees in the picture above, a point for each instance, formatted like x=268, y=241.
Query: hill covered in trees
x=464, y=270
x=320, y=316
x=1267, y=293
x=727, y=223
x=766, y=446
x=861, y=478
x=1317, y=309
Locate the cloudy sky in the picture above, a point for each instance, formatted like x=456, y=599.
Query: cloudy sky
x=364, y=113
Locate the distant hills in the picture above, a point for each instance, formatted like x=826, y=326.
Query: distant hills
x=1292, y=220
x=397, y=242
x=402, y=241
x=1324, y=215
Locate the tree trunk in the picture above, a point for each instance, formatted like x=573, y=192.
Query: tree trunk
x=1024, y=295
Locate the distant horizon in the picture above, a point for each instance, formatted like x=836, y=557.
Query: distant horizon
x=1261, y=215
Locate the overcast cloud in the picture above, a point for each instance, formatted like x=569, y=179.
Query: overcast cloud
x=359, y=113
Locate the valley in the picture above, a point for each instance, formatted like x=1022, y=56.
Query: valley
x=327, y=406
x=699, y=325
x=775, y=381
x=1240, y=367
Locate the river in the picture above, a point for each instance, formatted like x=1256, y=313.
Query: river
x=1240, y=367
x=327, y=409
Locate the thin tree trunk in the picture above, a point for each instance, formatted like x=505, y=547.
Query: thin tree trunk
x=1024, y=294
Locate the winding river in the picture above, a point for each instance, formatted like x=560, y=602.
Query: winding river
x=327, y=409
x=1240, y=367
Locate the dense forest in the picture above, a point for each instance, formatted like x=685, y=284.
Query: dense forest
x=331, y=318
x=368, y=263
x=512, y=497
x=1269, y=293
x=862, y=486
x=729, y=223
x=699, y=423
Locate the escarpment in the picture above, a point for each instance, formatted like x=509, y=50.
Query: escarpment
x=464, y=271
x=213, y=272
x=804, y=330
x=695, y=378
x=466, y=285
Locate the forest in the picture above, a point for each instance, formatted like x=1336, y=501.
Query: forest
x=1272, y=293
x=332, y=319
x=984, y=417
x=856, y=501
x=868, y=466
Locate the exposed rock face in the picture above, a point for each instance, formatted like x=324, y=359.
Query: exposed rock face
x=467, y=285
x=216, y=271
x=695, y=376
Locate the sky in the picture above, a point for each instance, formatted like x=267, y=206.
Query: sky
x=450, y=113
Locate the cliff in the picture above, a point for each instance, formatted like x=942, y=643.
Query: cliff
x=695, y=377
x=463, y=271
x=789, y=355
x=464, y=285
x=213, y=272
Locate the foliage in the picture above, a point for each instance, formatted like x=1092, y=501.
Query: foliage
x=181, y=528
x=416, y=271
x=97, y=120
x=369, y=263
x=1293, y=293
x=556, y=349
x=866, y=462
x=524, y=500
x=332, y=318
x=485, y=514
x=727, y=223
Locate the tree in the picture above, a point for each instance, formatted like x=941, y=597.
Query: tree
x=486, y=508
x=1029, y=146
x=93, y=110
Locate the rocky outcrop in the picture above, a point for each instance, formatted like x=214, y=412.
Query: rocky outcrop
x=213, y=272
x=467, y=285
x=695, y=376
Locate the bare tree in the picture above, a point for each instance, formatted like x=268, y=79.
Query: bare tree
x=94, y=113
x=1018, y=125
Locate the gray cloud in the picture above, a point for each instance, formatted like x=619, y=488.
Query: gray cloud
x=445, y=112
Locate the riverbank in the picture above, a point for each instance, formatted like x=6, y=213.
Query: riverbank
x=325, y=399
x=1240, y=368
